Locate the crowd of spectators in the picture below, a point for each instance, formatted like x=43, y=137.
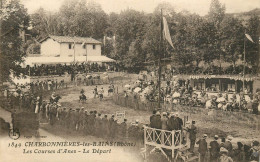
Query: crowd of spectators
x=183, y=94
x=61, y=69
x=216, y=150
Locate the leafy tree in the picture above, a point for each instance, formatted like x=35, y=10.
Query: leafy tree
x=252, y=49
x=44, y=23
x=130, y=27
x=232, y=36
x=14, y=19
x=215, y=16
x=79, y=18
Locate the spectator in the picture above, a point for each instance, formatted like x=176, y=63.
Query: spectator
x=203, y=148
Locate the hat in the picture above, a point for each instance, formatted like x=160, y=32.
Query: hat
x=82, y=108
x=222, y=149
x=177, y=114
x=216, y=136
x=205, y=135
x=157, y=113
x=164, y=113
x=136, y=121
x=255, y=143
x=59, y=105
x=229, y=137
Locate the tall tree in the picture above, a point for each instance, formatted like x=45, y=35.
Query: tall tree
x=232, y=36
x=252, y=49
x=130, y=27
x=216, y=15
x=14, y=20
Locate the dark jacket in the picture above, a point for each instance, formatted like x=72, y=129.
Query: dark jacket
x=202, y=146
x=193, y=131
x=214, y=149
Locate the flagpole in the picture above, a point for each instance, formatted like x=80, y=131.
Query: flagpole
x=86, y=53
x=74, y=50
x=159, y=63
x=244, y=67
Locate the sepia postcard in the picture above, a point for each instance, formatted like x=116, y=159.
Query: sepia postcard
x=130, y=81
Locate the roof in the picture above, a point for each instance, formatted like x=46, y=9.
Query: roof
x=67, y=39
x=232, y=77
x=62, y=60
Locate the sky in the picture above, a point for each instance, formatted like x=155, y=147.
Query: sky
x=200, y=7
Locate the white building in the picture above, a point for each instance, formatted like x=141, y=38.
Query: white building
x=64, y=49
x=63, y=46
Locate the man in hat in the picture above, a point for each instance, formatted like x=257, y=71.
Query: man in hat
x=152, y=119
x=239, y=153
x=180, y=121
x=224, y=155
x=81, y=118
x=105, y=126
x=101, y=93
x=98, y=124
x=203, y=147
x=124, y=128
x=255, y=155
x=228, y=145
x=111, y=126
x=63, y=116
x=95, y=92
x=214, y=149
x=164, y=121
x=157, y=121
x=192, y=135
x=91, y=123
x=59, y=110
x=86, y=123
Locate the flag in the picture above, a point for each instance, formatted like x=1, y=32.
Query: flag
x=249, y=38
x=166, y=32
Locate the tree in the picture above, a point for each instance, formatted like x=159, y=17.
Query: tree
x=232, y=36
x=130, y=27
x=215, y=16
x=14, y=19
x=79, y=18
x=252, y=49
x=45, y=23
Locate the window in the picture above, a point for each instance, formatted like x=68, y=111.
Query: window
x=84, y=46
x=69, y=46
x=94, y=46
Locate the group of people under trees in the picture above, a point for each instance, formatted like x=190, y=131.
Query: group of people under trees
x=61, y=69
x=218, y=152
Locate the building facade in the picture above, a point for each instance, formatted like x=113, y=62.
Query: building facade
x=63, y=46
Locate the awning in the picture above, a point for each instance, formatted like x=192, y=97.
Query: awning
x=63, y=60
x=234, y=77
